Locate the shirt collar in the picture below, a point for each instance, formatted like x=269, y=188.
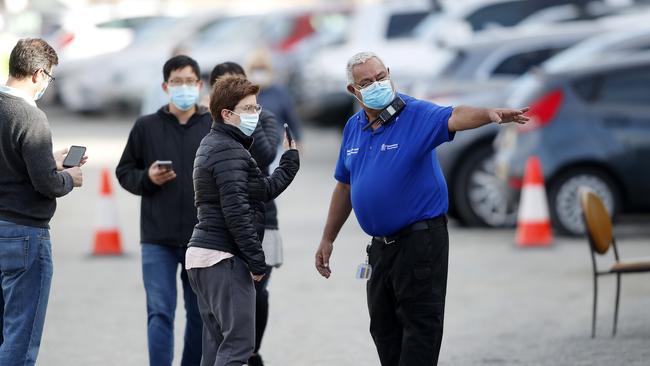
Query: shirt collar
x=18, y=94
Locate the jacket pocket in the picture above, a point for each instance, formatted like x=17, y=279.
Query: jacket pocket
x=13, y=254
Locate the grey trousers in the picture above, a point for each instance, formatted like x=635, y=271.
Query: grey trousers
x=226, y=299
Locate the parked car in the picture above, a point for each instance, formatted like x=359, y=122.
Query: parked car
x=607, y=45
x=460, y=20
x=321, y=80
x=480, y=74
x=491, y=60
x=288, y=35
x=92, y=31
x=590, y=127
x=210, y=38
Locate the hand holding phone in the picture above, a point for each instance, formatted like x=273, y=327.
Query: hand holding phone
x=289, y=141
x=165, y=165
x=74, y=157
x=161, y=172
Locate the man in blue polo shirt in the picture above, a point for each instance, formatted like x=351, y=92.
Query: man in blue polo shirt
x=390, y=176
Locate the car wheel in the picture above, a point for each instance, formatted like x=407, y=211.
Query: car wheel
x=480, y=198
x=564, y=201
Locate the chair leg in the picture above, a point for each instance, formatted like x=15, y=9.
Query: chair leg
x=618, y=296
x=593, y=316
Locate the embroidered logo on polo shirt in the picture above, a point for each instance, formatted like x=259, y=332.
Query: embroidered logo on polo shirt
x=352, y=151
x=385, y=147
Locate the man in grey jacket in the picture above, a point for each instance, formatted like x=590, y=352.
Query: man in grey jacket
x=31, y=179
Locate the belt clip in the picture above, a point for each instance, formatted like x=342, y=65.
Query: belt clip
x=388, y=242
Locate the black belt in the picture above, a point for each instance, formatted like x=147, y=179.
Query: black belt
x=418, y=226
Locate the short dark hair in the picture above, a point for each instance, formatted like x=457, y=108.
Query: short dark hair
x=29, y=55
x=226, y=68
x=227, y=92
x=180, y=62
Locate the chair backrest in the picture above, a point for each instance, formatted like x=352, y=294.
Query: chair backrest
x=597, y=221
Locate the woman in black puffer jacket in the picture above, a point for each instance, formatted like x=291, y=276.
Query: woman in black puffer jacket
x=225, y=252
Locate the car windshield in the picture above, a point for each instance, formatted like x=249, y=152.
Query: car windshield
x=404, y=24
x=585, y=50
x=152, y=29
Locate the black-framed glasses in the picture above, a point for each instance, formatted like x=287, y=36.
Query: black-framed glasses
x=179, y=82
x=52, y=78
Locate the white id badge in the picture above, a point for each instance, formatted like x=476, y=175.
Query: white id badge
x=364, y=271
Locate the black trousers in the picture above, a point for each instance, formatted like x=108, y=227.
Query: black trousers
x=406, y=296
x=261, y=308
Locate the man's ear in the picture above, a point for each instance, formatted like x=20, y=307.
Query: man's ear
x=35, y=76
x=351, y=89
x=165, y=87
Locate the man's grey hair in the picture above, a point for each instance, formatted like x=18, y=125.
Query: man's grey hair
x=359, y=59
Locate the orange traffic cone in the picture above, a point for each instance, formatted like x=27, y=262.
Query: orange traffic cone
x=533, y=223
x=107, y=235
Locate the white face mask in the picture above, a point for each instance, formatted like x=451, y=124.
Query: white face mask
x=248, y=122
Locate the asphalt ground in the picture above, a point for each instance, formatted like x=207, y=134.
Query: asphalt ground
x=505, y=305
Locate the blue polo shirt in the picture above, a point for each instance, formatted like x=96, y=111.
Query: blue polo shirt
x=393, y=172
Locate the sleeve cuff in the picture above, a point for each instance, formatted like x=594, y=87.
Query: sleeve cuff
x=342, y=179
x=147, y=184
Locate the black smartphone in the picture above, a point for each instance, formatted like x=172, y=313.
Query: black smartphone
x=75, y=154
x=164, y=164
x=289, y=136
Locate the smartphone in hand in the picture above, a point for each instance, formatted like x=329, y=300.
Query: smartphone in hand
x=165, y=165
x=74, y=157
x=289, y=135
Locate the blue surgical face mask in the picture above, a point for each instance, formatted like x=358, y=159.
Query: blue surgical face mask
x=248, y=122
x=378, y=94
x=39, y=95
x=184, y=97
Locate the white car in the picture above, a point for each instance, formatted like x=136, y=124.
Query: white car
x=122, y=78
x=323, y=79
x=92, y=31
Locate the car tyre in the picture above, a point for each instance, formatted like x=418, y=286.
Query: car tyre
x=479, y=197
x=564, y=201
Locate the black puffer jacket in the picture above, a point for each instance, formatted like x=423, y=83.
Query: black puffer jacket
x=230, y=191
x=267, y=137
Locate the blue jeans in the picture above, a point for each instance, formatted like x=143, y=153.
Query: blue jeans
x=26, y=274
x=159, y=268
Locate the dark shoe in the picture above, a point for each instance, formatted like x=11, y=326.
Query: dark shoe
x=255, y=360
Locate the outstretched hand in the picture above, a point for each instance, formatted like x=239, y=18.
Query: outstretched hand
x=509, y=115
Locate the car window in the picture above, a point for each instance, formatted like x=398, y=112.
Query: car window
x=504, y=14
x=520, y=63
x=631, y=87
x=133, y=23
x=403, y=24
x=587, y=88
x=152, y=30
x=220, y=30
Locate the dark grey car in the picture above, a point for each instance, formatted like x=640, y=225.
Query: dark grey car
x=480, y=75
x=590, y=127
